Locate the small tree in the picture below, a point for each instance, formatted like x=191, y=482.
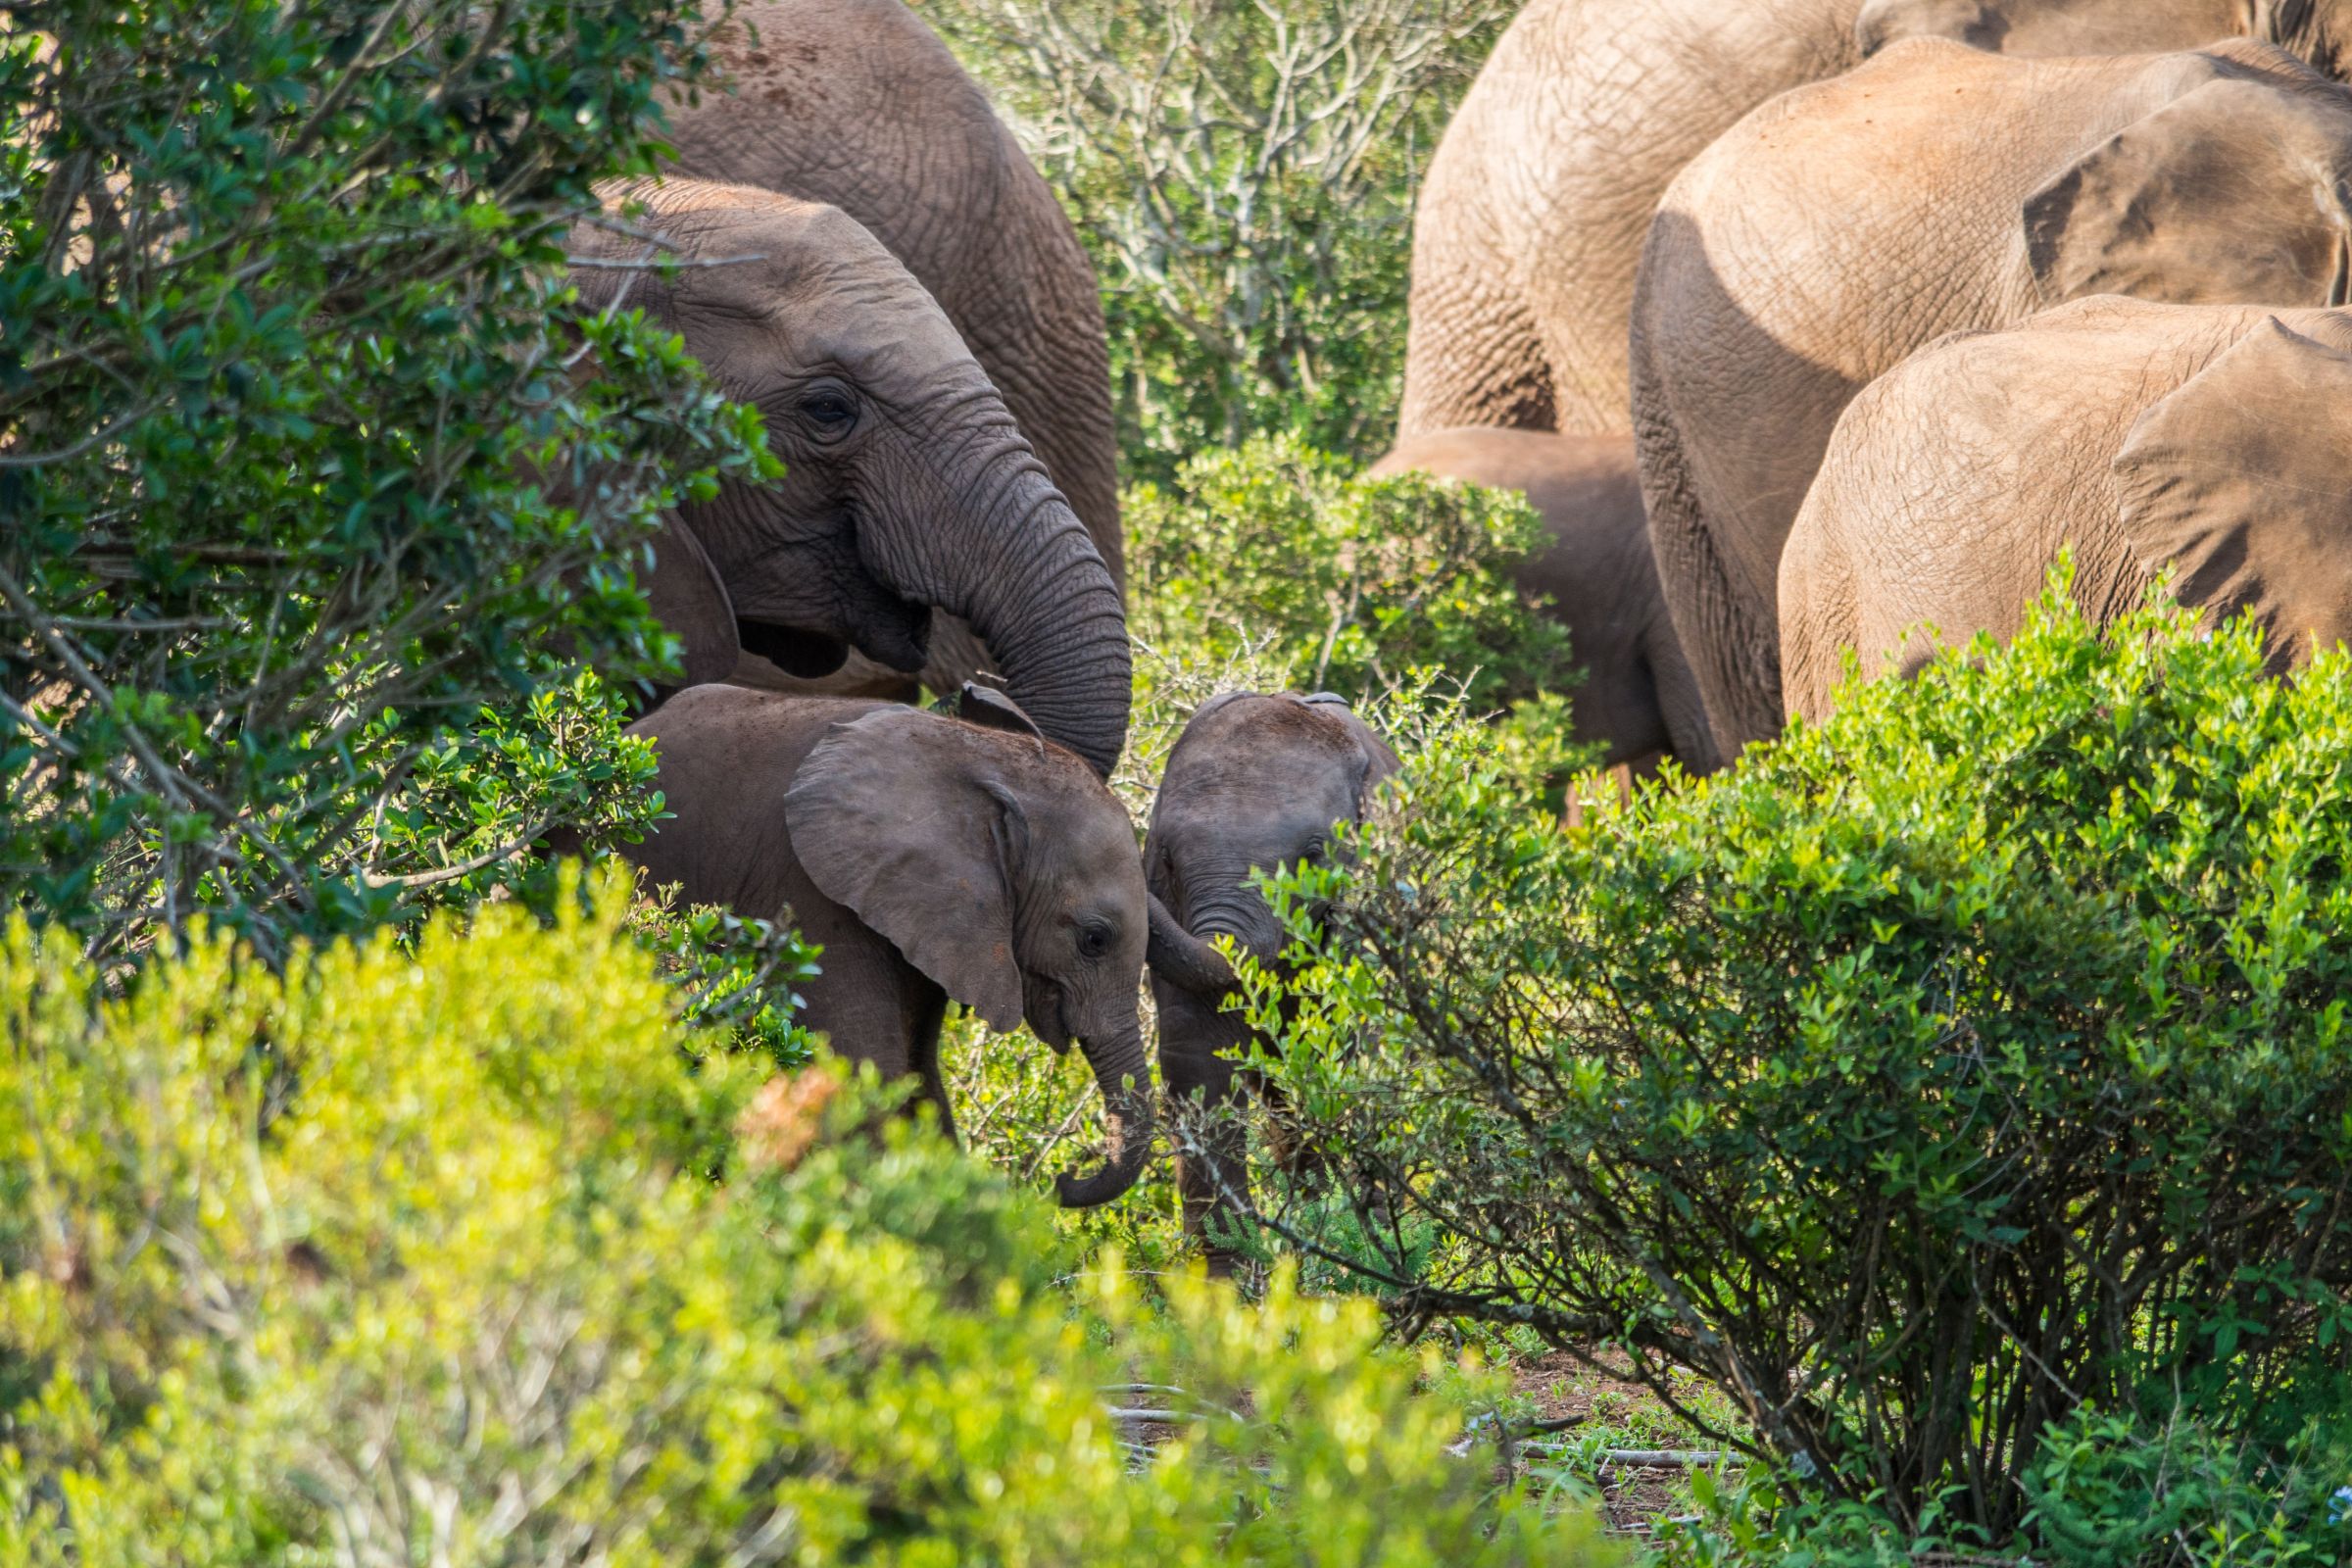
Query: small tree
x=1971, y=1063
x=1244, y=172
x=289, y=628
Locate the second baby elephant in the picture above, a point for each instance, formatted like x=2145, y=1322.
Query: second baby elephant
x=1637, y=701
x=2214, y=440
x=1256, y=782
x=932, y=857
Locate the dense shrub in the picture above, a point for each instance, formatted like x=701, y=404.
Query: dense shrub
x=1282, y=558
x=1243, y=172
x=1969, y=1064
x=288, y=626
x=423, y=1257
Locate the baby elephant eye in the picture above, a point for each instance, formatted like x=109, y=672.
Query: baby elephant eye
x=1093, y=941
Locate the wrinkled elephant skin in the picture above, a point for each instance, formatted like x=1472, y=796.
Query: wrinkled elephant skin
x=2212, y=441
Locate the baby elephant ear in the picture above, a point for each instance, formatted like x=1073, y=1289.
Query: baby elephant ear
x=2229, y=193
x=991, y=709
x=689, y=599
x=898, y=817
x=2241, y=480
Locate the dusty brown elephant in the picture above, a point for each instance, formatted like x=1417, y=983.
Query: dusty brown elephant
x=1637, y=701
x=856, y=104
x=2213, y=440
x=909, y=486
x=1530, y=225
x=932, y=857
x=1934, y=189
x=1255, y=782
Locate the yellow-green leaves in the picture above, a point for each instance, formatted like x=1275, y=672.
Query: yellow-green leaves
x=470, y=1253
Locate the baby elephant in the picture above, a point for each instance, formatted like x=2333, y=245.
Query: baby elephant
x=933, y=857
x=1255, y=782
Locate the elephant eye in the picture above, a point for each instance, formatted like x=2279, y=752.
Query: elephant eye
x=1093, y=941
x=829, y=409
x=1316, y=848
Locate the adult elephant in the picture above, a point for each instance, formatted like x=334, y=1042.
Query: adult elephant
x=909, y=486
x=856, y=104
x=1531, y=222
x=2212, y=441
x=1937, y=188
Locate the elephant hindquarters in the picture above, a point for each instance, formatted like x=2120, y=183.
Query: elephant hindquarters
x=1731, y=656
x=1818, y=595
x=1473, y=353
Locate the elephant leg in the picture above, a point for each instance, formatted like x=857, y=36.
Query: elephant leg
x=925, y=1058
x=1473, y=354
x=1212, y=1166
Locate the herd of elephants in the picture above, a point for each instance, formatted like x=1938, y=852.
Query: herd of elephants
x=1803, y=324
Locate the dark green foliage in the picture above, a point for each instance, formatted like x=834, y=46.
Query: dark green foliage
x=288, y=624
x=1973, y=1060
x=1280, y=557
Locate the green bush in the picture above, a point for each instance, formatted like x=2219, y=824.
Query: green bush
x=289, y=625
x=1243, y=172
x=470, y=1253
x=1971, y=1063
x=1283, y=559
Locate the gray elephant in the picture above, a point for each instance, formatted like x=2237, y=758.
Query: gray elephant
x=856, y=104
x=2213, y=440
x=933, y=857
x=909, y=486
x=1637, y=701
x=1845, y=225
x=1529, y=224
x=1255, y=782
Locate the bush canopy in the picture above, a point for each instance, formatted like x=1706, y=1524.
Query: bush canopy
x=472, y=1252
x=1970, y=1063
x=317, y=485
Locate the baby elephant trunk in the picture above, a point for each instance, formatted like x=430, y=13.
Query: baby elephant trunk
x=1126, y=1082
x=1184, y=960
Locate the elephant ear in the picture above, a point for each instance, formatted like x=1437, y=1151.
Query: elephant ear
x=898, y=817
x=689, y=599
x=2241, y=480
x=991, y=709
x=2230, y=193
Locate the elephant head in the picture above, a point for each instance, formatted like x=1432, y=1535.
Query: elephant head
x=1000, y=867
x=2232, y=188
x=907, y=484
x=1254, y=783
x=2241, y=481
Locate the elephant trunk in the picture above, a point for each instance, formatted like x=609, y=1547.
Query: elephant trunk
x=1126, y=1082
x=1184, y=960
x=1022, y=571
